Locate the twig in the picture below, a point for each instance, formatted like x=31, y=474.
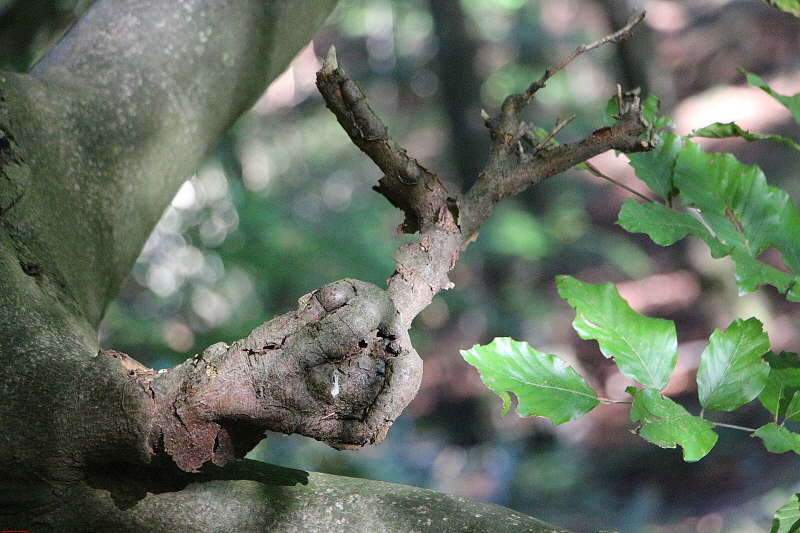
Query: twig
x=560, y=126
x=594, y=170
x=732, y=426
x=405, y=181
x=617, y=37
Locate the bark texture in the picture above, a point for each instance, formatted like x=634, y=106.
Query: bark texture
x=250, y=496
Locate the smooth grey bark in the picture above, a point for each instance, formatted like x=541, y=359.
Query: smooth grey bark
x=275, y=500
x=94, y=143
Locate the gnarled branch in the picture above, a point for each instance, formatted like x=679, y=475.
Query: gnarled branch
x=446, y=223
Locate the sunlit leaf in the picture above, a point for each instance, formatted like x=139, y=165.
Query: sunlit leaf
x=644, y=348
x=544, y=384
x=731, y=197
x=731, y=370
x=741, y=210
x=778, y=439
x=665, y=423
x=787, y=518
x=781, y=394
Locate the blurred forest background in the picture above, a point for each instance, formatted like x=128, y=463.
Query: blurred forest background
x=284, y=205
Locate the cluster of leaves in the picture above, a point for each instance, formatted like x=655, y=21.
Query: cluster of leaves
x=730, y=207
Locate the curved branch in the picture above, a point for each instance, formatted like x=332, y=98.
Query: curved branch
x=251, y=496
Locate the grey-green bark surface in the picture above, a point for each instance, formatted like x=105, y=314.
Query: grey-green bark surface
x=94, y=143
x=266, y=499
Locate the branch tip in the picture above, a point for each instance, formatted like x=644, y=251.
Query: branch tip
x=330, y=63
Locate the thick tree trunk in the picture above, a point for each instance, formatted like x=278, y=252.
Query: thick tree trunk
x=94, y=142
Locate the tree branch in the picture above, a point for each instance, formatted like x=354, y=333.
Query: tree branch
x=252, y=496
x=340, y=369
x=447, y=224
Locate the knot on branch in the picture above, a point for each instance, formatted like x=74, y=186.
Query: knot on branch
x=339, y=369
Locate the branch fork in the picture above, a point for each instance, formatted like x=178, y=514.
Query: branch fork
x=447, y=223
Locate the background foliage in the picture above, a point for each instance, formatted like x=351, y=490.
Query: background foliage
x=284, y=205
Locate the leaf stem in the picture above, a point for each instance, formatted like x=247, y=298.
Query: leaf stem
x=732, y=426
x=594, y=170
x=609, y=401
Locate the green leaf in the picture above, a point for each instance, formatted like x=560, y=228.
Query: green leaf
x=656, y=167
x=731, y=371
x=787, y=518
x=644, y=348
x=750, y=273
x=781, y=394
x=793, y=409
x=650, y=109
x=665, y=226
x=729, y=129
x=742, y=211
x=544, y=384
x=778, y=439
x=649, y=112
x=667, y=424
x=731, y=197
x=792, y=103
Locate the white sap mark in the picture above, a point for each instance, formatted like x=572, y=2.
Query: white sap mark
x=335, y=388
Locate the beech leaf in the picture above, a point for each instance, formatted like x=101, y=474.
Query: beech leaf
x=787, y=518
x=732, y=371
x=543, y=384
x=666, y=226
x=720, y=131
x=781, y=394
x=778, y=439
x=644, y=348
x=665, y=423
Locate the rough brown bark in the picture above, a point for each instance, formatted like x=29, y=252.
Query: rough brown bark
x=340, y=369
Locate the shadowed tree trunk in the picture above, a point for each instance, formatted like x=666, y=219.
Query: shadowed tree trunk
x=460, y=88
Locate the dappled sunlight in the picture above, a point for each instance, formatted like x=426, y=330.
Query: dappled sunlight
x=750, y=107
x=669, y=291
